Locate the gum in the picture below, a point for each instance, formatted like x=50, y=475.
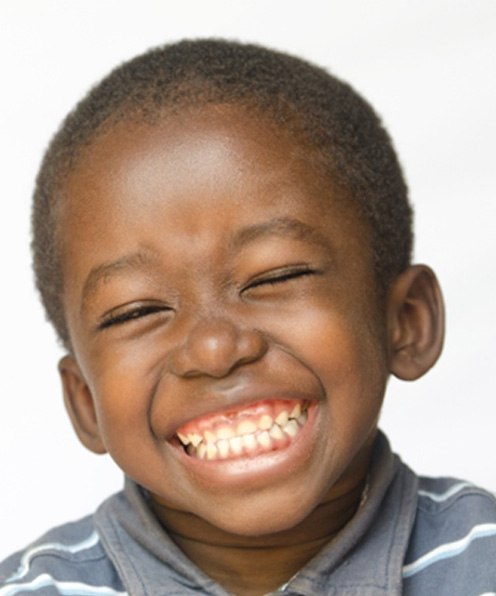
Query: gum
x=232, y=417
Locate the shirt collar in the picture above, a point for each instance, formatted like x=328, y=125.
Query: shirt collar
x=366, y=557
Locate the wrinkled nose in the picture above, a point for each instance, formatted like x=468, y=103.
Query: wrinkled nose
x=214, y=347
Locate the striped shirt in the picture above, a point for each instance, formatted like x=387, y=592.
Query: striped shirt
x=412, y=536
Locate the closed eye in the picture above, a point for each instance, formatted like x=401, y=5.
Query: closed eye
x=281, y=276
x=131, y=314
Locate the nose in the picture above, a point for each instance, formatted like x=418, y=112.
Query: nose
x=214, y=347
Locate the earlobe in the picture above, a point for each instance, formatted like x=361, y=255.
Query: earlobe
x=416, y=322
x=79, y=405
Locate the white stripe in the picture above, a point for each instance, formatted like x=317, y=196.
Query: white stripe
x=439, y=497
x=64, y=588
x=450, y=549
x=37, y=550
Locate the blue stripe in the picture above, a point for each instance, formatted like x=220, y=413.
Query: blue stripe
x=41, y=549
x=440, y=497
x=448, y=550
x=63, y=588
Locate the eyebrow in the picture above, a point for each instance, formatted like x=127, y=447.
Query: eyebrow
x=102, y=273
x=280, y=226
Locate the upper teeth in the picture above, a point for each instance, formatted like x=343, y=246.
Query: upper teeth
x=245, y=436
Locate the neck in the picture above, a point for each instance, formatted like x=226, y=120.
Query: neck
x=253, y=566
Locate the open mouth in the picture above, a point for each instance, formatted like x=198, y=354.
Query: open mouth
x=260, y=428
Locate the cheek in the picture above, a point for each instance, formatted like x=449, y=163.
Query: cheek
x=346, y=353
x=342, y=340
x=123, y=415
x=122, y=387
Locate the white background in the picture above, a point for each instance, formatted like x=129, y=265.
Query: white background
x=429, y=67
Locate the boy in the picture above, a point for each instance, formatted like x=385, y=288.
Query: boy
x=222, y=241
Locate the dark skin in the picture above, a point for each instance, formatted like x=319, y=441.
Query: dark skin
x=208, y=266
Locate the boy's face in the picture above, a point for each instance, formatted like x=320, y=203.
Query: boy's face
x=214, y=280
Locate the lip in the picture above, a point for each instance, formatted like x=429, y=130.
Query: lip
x=255, y=471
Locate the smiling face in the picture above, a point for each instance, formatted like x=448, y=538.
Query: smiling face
x=229, y=347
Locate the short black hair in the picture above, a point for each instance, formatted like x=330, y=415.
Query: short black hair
x=323, y=110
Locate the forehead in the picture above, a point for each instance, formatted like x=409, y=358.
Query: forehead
x=191, y=170
x=207, y=144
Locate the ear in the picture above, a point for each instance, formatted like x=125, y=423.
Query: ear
x=79, y=405
x=416, y=322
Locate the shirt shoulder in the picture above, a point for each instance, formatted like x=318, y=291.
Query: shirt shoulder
x=452, y=549
x=68, y=559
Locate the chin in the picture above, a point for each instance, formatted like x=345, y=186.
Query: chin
x=256, y=518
